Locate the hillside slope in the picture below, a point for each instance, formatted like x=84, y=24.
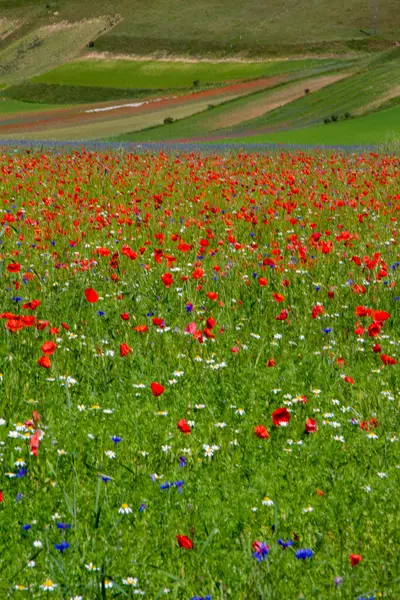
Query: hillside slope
x=215, y=26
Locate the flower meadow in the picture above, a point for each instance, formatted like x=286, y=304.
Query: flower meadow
x=199, y=360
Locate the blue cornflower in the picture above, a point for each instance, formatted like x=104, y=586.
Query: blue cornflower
x=285, y=544
x=100, y=313
x=394, y=266
x=327, y=329
x=208, y=597
x=21, y=473
x=61, y=547
x=189, y=307
x=396, y=298
x=63, y=526
x=304, y=553
x=142, y=507
x=255, y=275
x=17, y=299
x=106, y=478
x=317, y=288
x=26, y=527
x=365, y=598
x=252, y=234
x=183, y=461
x=200, y=257
x=179, y=486
x=18, y=497
x=53, y=242
x=262, y=551
x=166, y=485
x=116, y=439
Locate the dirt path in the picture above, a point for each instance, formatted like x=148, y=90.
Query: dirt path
x=186, y=59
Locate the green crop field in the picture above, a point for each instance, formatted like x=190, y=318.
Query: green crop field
x=159, y=74
x=15, y=106
x=382, y=127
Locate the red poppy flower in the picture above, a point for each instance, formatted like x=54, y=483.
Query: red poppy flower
x=271, y=363
x=261, y=432
x=311, y=425
x=340, y=362
x=283, y=315
x=368, y=424
x=141, y=328
x=208, y=333
x=380, y=315
x=184, y=426
x=124, y=350
x=362, y=311
x=13, y=267
x=91, y=295
x=211, y=322
x=28, y=320
x=34, y=443
x=349, y=379
x=374, y=329
x=355, y=559
x=124, y=316
x=359, y=330
x=376, y=348
x=183, y=247
x=167, y=279
x=212, y=295
x=1, y=497
x=184, y=542
x=14, y=325
x=158, y=322
x=48, y=348
x=262, y=281
x=279, y=297
x=198, y=273
x=317, y=311
x=157, y=389
x=32, y=305
x=44, y=362
x=388, y=360
x=281, y=417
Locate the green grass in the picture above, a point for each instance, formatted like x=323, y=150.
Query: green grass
x=72, y=94
x=8, y=106
x=165, y=75
x=377, y=128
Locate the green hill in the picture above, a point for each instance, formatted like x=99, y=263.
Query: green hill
x=258, y=27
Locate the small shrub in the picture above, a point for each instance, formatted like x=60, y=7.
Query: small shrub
x=91, y=45
x=211, y=106
x=307, y=91
x=196, y=83
x=334, y=118
x=347, y=115
x=327, y=120
x=168, y=120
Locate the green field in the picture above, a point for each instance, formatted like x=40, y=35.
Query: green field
x=382, y=127
x=159, y=75
x=8, y=107
x=220, y=27
x=353, y=95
